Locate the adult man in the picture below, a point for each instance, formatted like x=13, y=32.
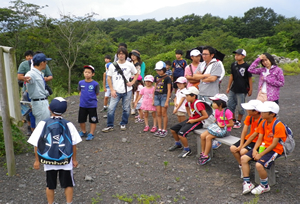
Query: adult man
x=120, y=88
x=35, y=84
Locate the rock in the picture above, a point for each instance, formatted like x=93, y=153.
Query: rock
x=88, y=178
x=73, y=102
x=233, y=195
x=124, y=140
x=22, y=185
x=169, y=188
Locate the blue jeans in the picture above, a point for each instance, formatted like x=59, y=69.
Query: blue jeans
x=126, y=98
x=235, y=100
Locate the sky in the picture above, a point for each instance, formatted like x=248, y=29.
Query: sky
x=160, y=9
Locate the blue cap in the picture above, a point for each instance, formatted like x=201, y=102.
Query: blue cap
x=58, y=106
x=40, y=57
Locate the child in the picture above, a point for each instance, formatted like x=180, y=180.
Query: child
x=161, y=97
x=219, y=104
x=137, y=101
x=107, y=60
x=239, y=85
x=178, y=66
x=247, y=141
x=180, y=99
x=88, y=91
x=147, y=103
x=191, y=68
x=169, y=71
x=57, y=107
x=181, y=129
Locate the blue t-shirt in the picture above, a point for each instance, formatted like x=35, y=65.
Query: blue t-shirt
x=106, y=84
x=179, y=66
x=89, y=91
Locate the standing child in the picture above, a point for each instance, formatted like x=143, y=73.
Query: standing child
x=219, y=104
x=161, y=97
x=197, y=113
x=169, y=71
x=57, y=107
x=178, y=66
x=147, y=103
x=239, y=85
x=107, y=60
x=191, y=68
x=273, y=149
x=247, y=141
x=137, y=101
x=88, y=90
x=180, y=99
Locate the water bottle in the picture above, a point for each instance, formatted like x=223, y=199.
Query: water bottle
x=261, y=148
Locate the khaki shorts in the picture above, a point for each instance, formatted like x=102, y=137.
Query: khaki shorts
x=144, y=111
x=180, y=113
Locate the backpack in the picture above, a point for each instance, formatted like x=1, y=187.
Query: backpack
x=289, y=144
x=251, y=118
x=211, y=117
x=55, y=143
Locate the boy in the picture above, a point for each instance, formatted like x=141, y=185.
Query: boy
x=274, y=149
x=178, y=66
x=181, y=130
x=191, y=68
x=247, y=142
x=239, y=85
x=169, y=71
x=57, y=107
x=161, y=97
x=107, y=60
x=88, y=91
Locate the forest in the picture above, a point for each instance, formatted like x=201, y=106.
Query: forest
x=74, y=41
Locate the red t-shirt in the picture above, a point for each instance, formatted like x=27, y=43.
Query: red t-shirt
x=254, y=125
x=194, y=114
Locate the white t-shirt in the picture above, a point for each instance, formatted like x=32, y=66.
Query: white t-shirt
x=264, y=85
x=179, y=96
x=138, y=90
x=34, y=138
x=117, y=79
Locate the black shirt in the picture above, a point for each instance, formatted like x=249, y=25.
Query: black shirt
x=162, y=84
x=240, y=76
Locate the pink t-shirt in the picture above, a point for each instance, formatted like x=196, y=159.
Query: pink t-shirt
x=187, y=72
x=147, y=103
x=228, y=116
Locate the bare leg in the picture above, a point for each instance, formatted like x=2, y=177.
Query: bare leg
x=165, y=117
x=184, y=141
x=105, y=101
x=176, y=137
x=69, y=194
x=50, y=195
x=154, y=118
x=181, y=118
x=208, y=143
x=92, y=128
x=245, y=165
x=235, y=153
x=146, y=118
x=261, y=171
x=82, y=127
x=159, y=114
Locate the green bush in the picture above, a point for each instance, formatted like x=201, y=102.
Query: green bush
x=290, y=69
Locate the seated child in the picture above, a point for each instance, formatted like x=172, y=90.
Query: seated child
x=247, y=141
x=180, y=130
x=274, y=149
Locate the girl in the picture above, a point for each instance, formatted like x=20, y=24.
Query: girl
x=180, y=99
x=219, y=104
x=136, y=60
x=137, y=101
x=161, y=97
x=147, y=103
x=270, y=78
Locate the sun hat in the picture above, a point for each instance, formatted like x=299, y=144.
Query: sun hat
x=251, y=105
x=191, y=90
x=58, y=106
x=160, y=65
x=149, y=78
x=268, y=106
x=135, y=53
x=181, y=80
x=222, y=97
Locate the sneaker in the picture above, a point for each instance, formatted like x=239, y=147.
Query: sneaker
x=104, y=116
x=82, y=134
x=174, y=147
x=139, y=120
x=247, y=187
x=103, y=109
x=184, y=153
x=260, y=189
x=237, y=125
x=89, y=137
x=163, y=133
x=203, y=160
x=107, y=129
x=157, y=133
x=216, y=144
x=153, y=129
x=146, y=129
x=123, y=127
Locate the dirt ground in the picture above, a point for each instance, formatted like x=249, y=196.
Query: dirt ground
x=135, y=163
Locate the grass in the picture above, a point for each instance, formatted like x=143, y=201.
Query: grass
x=290, y=69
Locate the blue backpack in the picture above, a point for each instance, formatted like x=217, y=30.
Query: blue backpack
x=55, y=143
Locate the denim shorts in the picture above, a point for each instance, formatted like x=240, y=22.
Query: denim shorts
x=160, y=99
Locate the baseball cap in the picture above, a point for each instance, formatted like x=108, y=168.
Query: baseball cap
x=268, y=106
x=195, y=53
x=222, y=97
x=58, y=106
x=191, y=90
x=40, y=57
x=89, y=67
x=181, y=80
x=251, y=105
x=149, y=78
x=240, y=51
x=160, y=65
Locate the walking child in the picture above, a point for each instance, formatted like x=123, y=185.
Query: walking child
x=88, y=91
x=147, y=103
x=219, y=104
x=107, y=60
x=161, y=97
x=137, y=101
x=180, y=99
x=57, y=107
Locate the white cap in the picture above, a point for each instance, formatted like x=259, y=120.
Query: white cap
x=181, y=80
x=149, y=78
x=160, y=65
x=268, y=106
x=195, y=53
x=191, y=90
x=222, y=97
x=251, y=105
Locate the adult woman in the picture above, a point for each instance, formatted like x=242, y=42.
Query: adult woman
x=271, y=78
x=136, y=60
